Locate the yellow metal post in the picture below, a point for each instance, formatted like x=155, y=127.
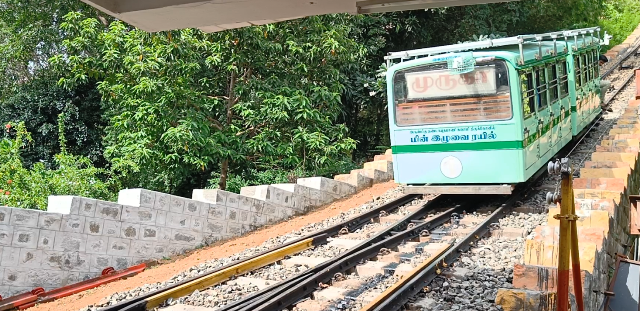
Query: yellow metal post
x=565, y=243
x=575, y=253
x=568, y=239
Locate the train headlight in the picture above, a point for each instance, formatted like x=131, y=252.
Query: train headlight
x=451, y=167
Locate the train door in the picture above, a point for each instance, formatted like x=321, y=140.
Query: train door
x=587, y=86
x=594, y=100
x=530, y=124
x=565, y=102
x=580, y=72
x=543, y=111
x=554, y=109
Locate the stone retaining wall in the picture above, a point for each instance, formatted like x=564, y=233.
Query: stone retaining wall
x=602, y=202
x=622, y=48
x=76, y=238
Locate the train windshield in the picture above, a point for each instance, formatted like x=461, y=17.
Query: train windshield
x=433, y=94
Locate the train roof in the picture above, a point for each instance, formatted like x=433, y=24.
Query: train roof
x=531, y=50
x=522, y=49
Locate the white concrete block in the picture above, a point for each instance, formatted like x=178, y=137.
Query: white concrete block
x=383, y=165
x=355, y=179
x=378, y=176
x=194, y=208
x=214, y=196
x=49, y=221
x=63, y=204
x=321, y=196
x=108, y=210
x=137, y=197
x=176, y=204
x=140, y=215
x=25, y=237
x=328, y=185
x=5, y=215
x=258, y=192
x=24, y=218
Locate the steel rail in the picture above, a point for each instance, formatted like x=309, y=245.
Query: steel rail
x=421, y=278
x=405, y=279
x=225, y=274
x=350, y=224
x=307, y=286
x=282, y=286
x=619, y=62
x=618, y=89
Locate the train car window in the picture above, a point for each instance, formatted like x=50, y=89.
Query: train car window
x=541, y=88
x=564, y=79
x=584, y=68
x=433, y=94
x=552, y=71
x=577, y=70
x=586, y=61
x=528, y=100
x=595, y=73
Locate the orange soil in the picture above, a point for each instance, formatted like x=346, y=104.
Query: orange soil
x=164, y=272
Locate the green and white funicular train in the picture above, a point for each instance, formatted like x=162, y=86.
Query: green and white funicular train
x=482, y=117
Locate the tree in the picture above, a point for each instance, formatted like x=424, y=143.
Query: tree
x=184, y=101
x=38, y=102
x=29, y=92
x=29, y=187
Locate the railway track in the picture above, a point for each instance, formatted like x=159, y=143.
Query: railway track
x=357, y=231
x=381, y=259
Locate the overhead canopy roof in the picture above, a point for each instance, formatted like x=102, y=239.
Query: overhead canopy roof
x=218, y=15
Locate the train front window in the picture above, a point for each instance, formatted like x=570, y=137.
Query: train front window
x=433, y=94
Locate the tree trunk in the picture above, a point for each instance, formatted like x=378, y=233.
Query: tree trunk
x=224, y=171
x=224, y=174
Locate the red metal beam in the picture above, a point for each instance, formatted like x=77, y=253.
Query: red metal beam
x=38, y=295
x=109, y=275
x=19, y=300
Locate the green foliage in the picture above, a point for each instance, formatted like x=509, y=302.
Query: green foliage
x=252, y=176
x=29, y=187
x=184, y=103
x=30, y=34
x=621, y=17
x=38, y=102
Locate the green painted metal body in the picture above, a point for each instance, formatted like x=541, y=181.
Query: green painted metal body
x=505, y=151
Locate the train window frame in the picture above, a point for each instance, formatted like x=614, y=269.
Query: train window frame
x=587, y=65
x=541, y=88
x=553, y=85
x=400, y=84
x=577, y=72
x=527, y=92
x=595, y=64
x=564, y=78
x=584, y=68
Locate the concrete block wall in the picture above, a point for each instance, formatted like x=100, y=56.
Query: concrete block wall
x=77, y=237
x=622, y=48
x=601, y=199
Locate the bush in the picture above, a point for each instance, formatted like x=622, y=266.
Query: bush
x=254, y=177
x=29, y=187
x=620, y=18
